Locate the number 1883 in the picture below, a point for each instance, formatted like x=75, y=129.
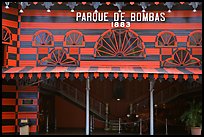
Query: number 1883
x=120, y=24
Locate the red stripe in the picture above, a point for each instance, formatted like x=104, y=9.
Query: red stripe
x=11, y=10
x=64, y=13
x=29, y=89
x=150, y=64
x=22, y=115
x=37, y=69
x=28, y=51
x=152, y=51
x=14, y=37
x=149, y=70
x=147, y=26
x=197, y=51
x=166, y=51
x=181, y=38
x=59, y=69
x=91, y=38
x=12, y=50
x=23, y=63
x=8, y=101
x=194, y=70
x=94, y=38
x=74, y=51
x=87, y=51
x=173, y=71
x=8, y=88
x=8, y=115
x=11, y=62
x=8, y=129
x=9, y=23
x=43, y=50
x=33, y=128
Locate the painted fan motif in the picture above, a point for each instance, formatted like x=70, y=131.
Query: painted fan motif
x=43, y=38
x=74, y=38
x=182, y=58
x=166, y=39
x=58, y=57
x=195, y=39
x=6, y=36
x=119, y=42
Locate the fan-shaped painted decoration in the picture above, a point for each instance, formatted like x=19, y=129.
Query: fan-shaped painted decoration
x=166, y=39
x=58, y=57
x=6, y=36
x=43, y=38
x=74, y=38
x=119, y=42
x=182, y=57
x=195, y=39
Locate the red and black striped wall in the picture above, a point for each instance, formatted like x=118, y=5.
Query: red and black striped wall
x=9, y=108
x=10, y=20
x=181, y=22
x=13, y=108
x=29, y=111
x=59, y=22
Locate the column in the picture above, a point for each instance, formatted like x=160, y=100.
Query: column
x=106, y=124
x=151, y=107
x=130, y=109
x=87, y=105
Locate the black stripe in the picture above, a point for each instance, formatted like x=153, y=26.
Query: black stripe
x=28, y=56
x=12, y=56
x=61, y=19
x=70, y=69
x=181, y=32
x=164, y=57
x=48, y=69
x=111, y=7
x=10, y=82
x=93, y=69
x=31, y=108
x=25, y=44
x=115, y=69
x=40, y=56
x=26, y=69
x=7, y=122
x=9, y=16
x=198, y=56
x=13, y=30
x=28, y=95
x=161, y=70
x=8, y=108
x=9, y=95
x=147, y=58
x=138, y=70
x=185, y=71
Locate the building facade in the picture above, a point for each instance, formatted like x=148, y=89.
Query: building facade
x=46, y=42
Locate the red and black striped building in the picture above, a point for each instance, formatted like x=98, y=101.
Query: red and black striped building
x=41, y=49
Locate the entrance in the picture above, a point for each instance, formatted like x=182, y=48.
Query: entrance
x=128, y=102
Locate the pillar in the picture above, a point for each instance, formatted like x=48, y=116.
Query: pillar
x=87, y=105
x=130, y=109
x=151, y=107
x=106, y=124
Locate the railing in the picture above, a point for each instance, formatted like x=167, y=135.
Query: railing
x=167, y=94
x=77, y=96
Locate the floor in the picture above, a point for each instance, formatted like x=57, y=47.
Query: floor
x=82, y=132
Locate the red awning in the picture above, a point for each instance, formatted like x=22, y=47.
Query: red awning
x=125, y=72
